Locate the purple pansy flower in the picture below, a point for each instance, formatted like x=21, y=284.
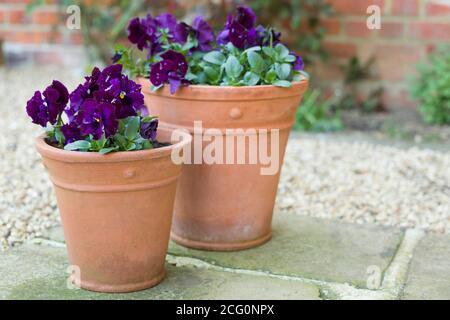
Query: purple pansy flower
x=245, y=17
x=200, y=29
x=130, y=100
x=95, y=118
x=71, y=132
x=82, y=92
x=171, y=69
x=240, y=30
x=203, y=33
x=56, y=97
x=298, y=64
x=142, y=32
x=222, y=37
x=148, y=129
x=37, y=110
x=167, y=21
x=43, y=110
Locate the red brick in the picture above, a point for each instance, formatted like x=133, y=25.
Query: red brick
x=16, y=16
x=326, y=72
x=427, y=30
x=358, y=7
x=396, y=62
x=33, y=37
x=437, y=9
x=332, y=26
x=45, y=17
x=405, y=7
x=340, y=50
x=357, y=29
x=2, y=17
x=392, y=29
x=76, y=37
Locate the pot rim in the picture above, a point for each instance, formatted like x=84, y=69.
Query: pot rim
x=264, y=86
x=121, y=156
x=230, y=93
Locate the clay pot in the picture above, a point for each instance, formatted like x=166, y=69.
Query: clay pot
x=226, y=206
x=116, y=212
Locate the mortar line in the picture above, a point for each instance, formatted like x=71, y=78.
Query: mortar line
x=342, y=290
x=396, y=274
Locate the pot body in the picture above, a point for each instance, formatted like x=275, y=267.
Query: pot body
x=116, y=212
x=227, y=206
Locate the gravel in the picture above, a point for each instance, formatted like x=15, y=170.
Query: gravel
x=351, y=181
x=363, y=182
x=27, y=203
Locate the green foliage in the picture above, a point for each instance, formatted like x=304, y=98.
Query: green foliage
x=432, y=88
x=304, y=19
x=317, y=114
x=134, y=66
x=127, y=138
x=255, y=66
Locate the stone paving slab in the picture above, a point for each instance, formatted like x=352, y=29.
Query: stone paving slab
x=429, y=274
x=39, y=272
x=312, y=248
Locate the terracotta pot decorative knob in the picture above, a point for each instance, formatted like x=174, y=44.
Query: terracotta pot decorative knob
x=235, y=113
x=129, y=173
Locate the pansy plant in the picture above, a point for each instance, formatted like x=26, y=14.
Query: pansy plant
x=242, y=54
x=105, y=113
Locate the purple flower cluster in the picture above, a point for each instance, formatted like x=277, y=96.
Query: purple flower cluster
x=95, y=106
x=171, y=69
x=165, y=39
x=105, y=97
x=242, y=32
x=46, y=110
x=146, y=33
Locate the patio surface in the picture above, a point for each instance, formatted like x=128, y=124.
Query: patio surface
x=307, y=258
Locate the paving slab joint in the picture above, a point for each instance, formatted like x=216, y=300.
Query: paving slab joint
x=396, y=273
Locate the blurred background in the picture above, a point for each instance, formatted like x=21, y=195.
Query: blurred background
x=362, y=79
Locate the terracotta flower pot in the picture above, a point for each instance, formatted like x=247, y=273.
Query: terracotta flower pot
x=226, y=206
x=116, y=212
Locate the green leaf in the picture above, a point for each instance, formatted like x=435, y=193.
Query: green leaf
x=233, y=68
x=132, y=127
x=271, y=75
x=131, y=146
x=251, y=79
x=190, y=76
x=81, y=145
x=147, y=145
x=282, y=83
x=283, y=70
x=120, y=140
x=282, y=51
x=290, y=58
x=256, y=48
x=98, y=144
x=212, y=74
x=268, y=51
x=59, y=136
x=107, y=150
x=214, y=57
x=256, y=62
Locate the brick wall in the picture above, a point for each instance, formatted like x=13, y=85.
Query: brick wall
x=410, y=29
x=39, y=37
